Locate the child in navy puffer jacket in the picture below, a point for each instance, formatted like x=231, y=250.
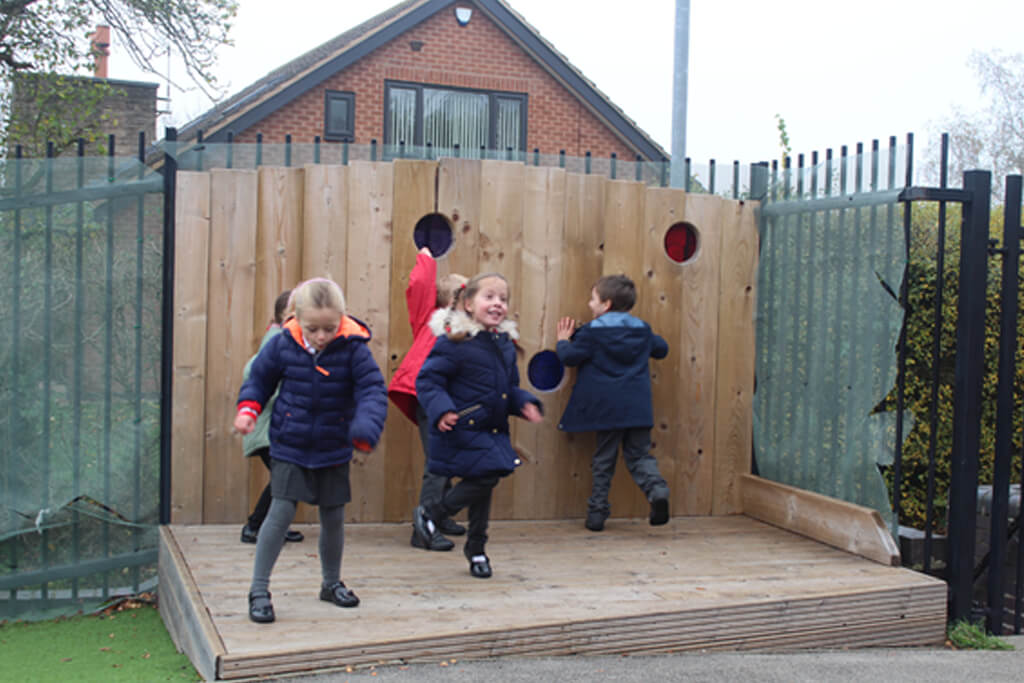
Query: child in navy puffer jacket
x=468, y=387
x=612, y=395
x=332, y=398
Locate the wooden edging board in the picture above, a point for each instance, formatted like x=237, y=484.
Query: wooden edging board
x=853, y=528
x=183, y=610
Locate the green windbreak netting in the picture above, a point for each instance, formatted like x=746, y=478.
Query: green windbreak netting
x=828, y=323
x=81, y=262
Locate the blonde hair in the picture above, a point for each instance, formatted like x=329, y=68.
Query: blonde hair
x=448, y=289
x=318, y=292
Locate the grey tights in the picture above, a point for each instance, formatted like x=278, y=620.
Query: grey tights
x=271, y=539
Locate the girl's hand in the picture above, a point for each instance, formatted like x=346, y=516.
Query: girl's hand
x=426, y=251
x=447, y=422
x=359, y=457
x=532, y=413
x=566, y=326
x=244, y=423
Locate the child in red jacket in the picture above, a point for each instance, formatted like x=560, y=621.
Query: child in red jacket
x=423, y=296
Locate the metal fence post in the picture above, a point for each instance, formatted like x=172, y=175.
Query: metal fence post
x=167, y=322
x=968, y=374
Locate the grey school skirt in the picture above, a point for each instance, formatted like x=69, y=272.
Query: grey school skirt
x=325, y=486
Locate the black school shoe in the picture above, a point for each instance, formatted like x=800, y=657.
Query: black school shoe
x=260, y=608
x=250, y=535
x=659, y=511
x=449, y=527
x=338, y=594
x=480, y=566
x=435, y=542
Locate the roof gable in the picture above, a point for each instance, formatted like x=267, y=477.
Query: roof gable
x=284, y=84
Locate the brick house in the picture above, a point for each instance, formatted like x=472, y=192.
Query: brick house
x=469, y=72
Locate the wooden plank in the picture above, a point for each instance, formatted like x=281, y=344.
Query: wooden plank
x=458, y=199
x=279, y=266
x=182, y=609
x=500, y=245
x=232, y=256
x=191, y=249
x=582, y=263
x=535, y=486
x=735, y=356
x=367, y=292
x=846, y=526
x=325, y=222
x=414, y=198
x=698, y=334
x=624, y=253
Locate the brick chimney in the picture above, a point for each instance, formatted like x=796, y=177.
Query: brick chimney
x=101, y=49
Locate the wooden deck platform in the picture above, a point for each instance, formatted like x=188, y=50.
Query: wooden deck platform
x=728, y=582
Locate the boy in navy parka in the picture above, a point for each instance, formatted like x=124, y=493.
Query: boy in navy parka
x=612, y=395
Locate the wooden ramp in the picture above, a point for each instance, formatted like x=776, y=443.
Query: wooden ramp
x=727, y=582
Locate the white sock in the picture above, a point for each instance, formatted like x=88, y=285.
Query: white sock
x=478, y=558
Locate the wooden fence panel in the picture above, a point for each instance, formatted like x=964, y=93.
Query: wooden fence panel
x=191, y=257
x=535, y=487
x=549, y=232
x=500, y=244
x=697, y=340
x=367, y=291
x=414, y=198
x=735, y=356
x=458, y=199
x=662, y=305
x=582, y=262
x=232, y=257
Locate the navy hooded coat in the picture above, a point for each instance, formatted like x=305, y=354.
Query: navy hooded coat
x=326, y=401
x=613, y=383
x=476, y=378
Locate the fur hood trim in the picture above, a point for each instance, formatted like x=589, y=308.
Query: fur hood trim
x=444, y=322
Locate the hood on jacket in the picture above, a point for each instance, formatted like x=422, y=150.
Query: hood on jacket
x=623, y=336
x=458, y=325
x=348, y=327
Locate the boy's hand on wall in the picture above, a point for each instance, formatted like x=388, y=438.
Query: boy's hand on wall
x=359, y=457
x=447, y=422
x=532, y=413
x=244, y=423
x=566, y=326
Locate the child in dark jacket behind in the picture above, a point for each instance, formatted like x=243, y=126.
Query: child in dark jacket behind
x=612, y=395
x=468, y=387
x=331, y=398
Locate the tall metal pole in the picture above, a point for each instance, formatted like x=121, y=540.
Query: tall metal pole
x=679, y=85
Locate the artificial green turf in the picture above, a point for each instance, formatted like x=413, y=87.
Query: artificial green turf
x=130, y=645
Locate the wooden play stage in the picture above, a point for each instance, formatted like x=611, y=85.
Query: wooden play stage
x=771, y=578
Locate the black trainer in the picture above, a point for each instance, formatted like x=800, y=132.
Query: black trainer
x=480, y=566
x=338, y=594
x=449, y=527
x=595, y=521
x=437, y=542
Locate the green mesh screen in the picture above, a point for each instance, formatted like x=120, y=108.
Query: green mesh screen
x=81, y=262
x=828, y=323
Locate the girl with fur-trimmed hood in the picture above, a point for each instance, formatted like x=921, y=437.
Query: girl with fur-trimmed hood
x=468, y=387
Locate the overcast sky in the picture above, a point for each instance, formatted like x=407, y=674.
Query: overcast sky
x=837, y=72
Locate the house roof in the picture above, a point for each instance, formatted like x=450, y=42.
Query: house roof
x=282, y=85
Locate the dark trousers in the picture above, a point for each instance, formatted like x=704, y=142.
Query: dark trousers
x=636, y=451
x=259, y=513
x=476, y=495
x=434, y=486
